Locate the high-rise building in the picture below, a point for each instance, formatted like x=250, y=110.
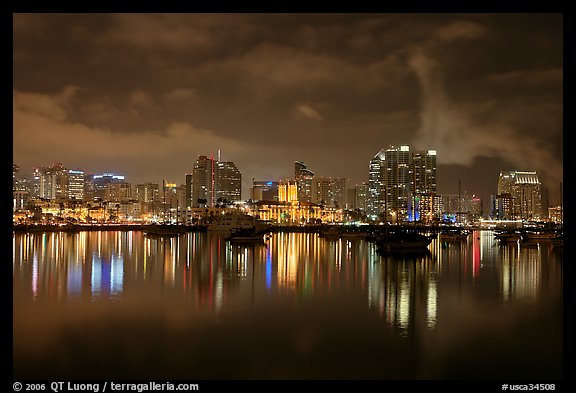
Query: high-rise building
x=214, y=180
x=264, y=190
x=95, y=186
x=75, y=185
x=51, y=181
x=118, y=192
x=303, y=177
x=228, y=182
x=424, y=184
x=524, y=190
x=147, y=192
x=361, y=196
x=189, y=187
x=376, y=192
x=398, y=182
x=330, y=192
x=203, y=182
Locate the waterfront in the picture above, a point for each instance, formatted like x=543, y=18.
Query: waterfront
x=121, y=305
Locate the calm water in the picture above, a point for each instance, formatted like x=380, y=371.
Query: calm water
x=121, y=305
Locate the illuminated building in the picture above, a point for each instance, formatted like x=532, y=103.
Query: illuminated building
x=424, y=184
x=329, y=191
x=174, y=208
x=96, y=185
x=147, y=192
x=214, y=180
x=303, y=177
x=398, y=182
x=295, y=213
x=524, y=189
x=228, y=182
x=189, y=181
x=360, y=196
x=75, y=184
x=264, y=190
x=555, y=214
x=51, y=181
x=287, y=191
x=459, y=208
x=118, y=192
x=203, y=182
x=375, y=198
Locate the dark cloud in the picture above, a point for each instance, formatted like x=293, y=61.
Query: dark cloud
x=144, y=94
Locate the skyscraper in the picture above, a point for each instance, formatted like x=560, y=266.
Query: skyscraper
x=375, y=198
x=51, y=181
x=523, y=188
x=424, y=184
x=75, y=184
x=329, y=191
x=203, y=181
x=398, y=182
x=228, y=182
x=214, y=179
x=303, y=177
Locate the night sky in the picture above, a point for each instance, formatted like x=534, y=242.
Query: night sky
x=144, y=94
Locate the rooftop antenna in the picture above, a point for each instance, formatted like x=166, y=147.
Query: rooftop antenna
x=218, y=155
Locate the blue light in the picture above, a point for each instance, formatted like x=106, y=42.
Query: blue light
x=269, y=183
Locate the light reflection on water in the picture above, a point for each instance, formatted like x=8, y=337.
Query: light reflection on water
x=319, y=291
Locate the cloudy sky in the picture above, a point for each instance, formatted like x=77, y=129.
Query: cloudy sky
x=144, y=94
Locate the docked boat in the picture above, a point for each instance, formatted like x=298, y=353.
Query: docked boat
x=403, y=243
x=455, y=234
x=535, y=235
x=330, y=233
x=508, y=236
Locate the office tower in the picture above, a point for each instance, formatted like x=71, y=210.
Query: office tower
x=214, y=180
x=203, y=182
x=361, y=196
x=398, y=182
x=118, y=192
x=189, y=187
x=51, y=181
x=424, y=184
x=95, y=185
x=228, y=182
x=523, y=189
x=303, y=177
x=147, y=192
x=75, y=185
x=375, y=198
x=330, y=192
x=264, y=190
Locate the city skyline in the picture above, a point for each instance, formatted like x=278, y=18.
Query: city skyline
x=146, y=94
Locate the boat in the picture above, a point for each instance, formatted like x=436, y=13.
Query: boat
x=164, y=230
x=454, y=234
x=330, y=233
x=401, y=242
x=535, y=235
x=508, y=236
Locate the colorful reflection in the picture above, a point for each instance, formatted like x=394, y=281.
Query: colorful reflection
x=211, y=274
